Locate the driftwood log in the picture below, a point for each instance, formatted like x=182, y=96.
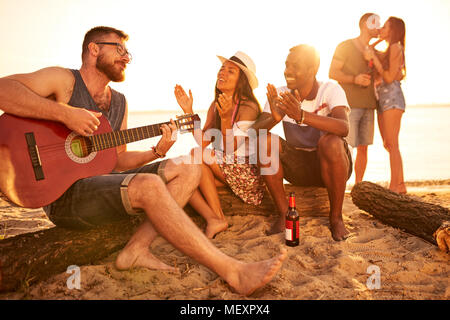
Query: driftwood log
x=419, y=218
x=32, y=257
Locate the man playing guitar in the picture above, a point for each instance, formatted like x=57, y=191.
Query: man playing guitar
x=78, y=98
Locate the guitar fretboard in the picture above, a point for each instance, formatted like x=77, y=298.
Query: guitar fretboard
x=116, y=138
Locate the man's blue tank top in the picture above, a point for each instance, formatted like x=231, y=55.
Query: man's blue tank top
x=82, y=98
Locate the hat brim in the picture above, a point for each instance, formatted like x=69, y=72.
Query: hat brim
x=252, y=80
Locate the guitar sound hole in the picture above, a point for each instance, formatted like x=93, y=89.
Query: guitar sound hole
x=81, y=146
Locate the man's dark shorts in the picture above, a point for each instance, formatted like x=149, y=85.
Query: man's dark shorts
x=302, y=168
x=98, y=200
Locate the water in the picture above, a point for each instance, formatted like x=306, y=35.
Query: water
x=423, y=143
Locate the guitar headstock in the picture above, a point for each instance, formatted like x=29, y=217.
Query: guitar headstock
x=188, y=122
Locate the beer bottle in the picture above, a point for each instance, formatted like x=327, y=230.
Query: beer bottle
x=292, y=223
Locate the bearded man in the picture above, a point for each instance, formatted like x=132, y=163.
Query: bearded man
x=77, y=98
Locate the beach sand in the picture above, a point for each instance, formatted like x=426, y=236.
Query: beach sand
x=319, y=268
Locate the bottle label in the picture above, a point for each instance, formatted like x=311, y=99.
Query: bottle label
x=290, y=230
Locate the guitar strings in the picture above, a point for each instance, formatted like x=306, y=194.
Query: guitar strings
x=108, y=140
x=100, y=144
x=89, y=146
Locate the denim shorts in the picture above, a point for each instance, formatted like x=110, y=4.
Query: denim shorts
x=302, y=168
x=390, y=96
x=98, y=200
x=361, y=128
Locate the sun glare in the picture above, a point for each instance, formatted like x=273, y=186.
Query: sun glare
x=176, y=42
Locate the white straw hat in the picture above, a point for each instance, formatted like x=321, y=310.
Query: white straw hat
x=246, y=64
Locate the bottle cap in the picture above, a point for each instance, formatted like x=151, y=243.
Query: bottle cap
x=292, y=200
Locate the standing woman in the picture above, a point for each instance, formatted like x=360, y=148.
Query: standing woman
x=233, y=111
x=391, y=103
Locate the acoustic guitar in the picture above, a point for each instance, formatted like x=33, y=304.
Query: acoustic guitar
x=40, y=159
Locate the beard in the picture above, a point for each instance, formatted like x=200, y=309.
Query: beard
x=108, y=69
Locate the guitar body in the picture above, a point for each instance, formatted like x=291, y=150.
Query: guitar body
x=40, y=159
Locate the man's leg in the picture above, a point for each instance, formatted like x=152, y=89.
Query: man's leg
x=364, y=139
x=172, y=223
x=274, y=182
x=360, y=163
x=136, y=253
x=182, y=180
x=334, y=166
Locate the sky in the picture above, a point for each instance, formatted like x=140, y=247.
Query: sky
x=176, y=42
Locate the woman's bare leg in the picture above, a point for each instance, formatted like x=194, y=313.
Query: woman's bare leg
x=391, y=120
x=215, y=223
x=205, y=199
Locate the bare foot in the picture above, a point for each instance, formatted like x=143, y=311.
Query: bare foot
x=277, y=227
x=338, y=230
x=400, y=188
x=215, y=226
x=252, y=276
x=129, y=258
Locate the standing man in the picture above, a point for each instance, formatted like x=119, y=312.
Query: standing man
x=161, y=189
x=315, y=122
x=354, y=74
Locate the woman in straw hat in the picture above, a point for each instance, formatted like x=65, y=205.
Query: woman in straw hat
x=231, y=114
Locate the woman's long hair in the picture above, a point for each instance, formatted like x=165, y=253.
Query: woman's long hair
x=397, y=30
x=243, y=92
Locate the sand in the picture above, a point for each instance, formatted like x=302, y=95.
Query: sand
x=319, y=268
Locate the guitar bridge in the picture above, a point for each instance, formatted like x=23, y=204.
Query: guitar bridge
x=33, y=151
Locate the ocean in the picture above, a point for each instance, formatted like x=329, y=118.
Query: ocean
x=424, y=143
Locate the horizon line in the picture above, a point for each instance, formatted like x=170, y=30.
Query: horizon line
x=416, y=105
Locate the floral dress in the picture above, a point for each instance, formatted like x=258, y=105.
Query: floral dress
x=240, y=170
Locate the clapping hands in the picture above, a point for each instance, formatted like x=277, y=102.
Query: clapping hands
x=284, y=104
x=224, y=106
x=183, y=100
x=274, y=103
x=290, y=104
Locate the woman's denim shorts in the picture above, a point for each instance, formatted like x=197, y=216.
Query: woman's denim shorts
x=390, y=96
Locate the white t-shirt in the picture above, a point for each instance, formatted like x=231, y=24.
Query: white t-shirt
x=329, y=96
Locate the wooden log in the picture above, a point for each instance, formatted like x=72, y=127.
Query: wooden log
x=310, y=201
x=32, y=257
x=400, y=211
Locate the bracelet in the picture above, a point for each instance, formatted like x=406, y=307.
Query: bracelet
x=157, y=153
x=302, y=117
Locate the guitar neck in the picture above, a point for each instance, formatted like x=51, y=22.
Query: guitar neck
x=116, y=138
